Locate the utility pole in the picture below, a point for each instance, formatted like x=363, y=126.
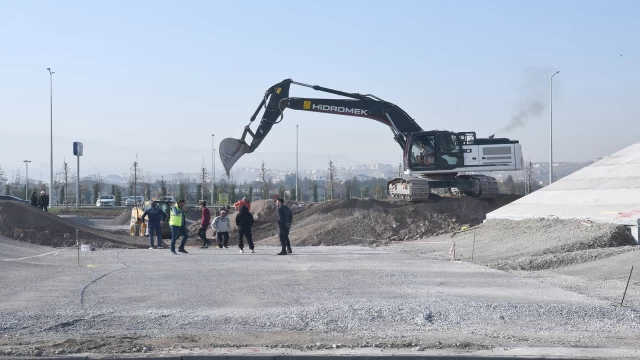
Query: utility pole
x=551, y=128
x=26, y=189
x=78, y=150
x=297, y=196
x=213, y=166
x=51, y=194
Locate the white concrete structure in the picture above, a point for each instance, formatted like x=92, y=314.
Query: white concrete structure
x=606, y=191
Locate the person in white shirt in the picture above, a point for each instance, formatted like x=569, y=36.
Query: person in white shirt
x=222, y=225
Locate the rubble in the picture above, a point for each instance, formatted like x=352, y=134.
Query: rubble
x=375, y=222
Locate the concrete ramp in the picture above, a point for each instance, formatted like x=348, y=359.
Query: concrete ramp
x=605, y=191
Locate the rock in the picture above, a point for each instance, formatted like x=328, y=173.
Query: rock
x=395, y=238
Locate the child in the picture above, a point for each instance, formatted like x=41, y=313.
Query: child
x=221, y=225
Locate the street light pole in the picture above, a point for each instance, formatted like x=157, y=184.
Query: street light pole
x=551, y=128
x=51, y=194
x=26, y=188
x=297, y=195
x=213, y=166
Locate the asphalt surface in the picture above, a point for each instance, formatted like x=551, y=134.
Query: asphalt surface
x=126, y=300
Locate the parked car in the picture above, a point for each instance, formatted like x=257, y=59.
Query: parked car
x=131, y=201
x=106, y=200
x=13, y=198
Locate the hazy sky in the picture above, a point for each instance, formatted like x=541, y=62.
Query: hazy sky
x=149, y=76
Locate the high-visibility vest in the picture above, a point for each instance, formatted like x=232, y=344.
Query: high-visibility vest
x=176, y=216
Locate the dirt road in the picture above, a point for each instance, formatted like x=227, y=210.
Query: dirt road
x=134, y=300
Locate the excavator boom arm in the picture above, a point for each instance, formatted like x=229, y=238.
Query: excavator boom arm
x=276, y=100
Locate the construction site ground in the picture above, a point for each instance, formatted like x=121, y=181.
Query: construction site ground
x=514, y=289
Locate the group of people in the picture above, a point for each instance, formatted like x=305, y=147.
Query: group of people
x=41, y=201
x=221, y=225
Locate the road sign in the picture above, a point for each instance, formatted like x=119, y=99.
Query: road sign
x=77, y=148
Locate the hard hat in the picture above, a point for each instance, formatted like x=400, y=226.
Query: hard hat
x=41, y=192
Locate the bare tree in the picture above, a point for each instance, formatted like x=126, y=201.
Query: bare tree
x=204, y=180
x=135, y=176
x=97, y=186
x=16, y=184
x=84, y=189
x=65, y=175
x=332, y=177
x=530, y=177
x=3, y=177
x=265, y=177
x=100, y=181
x=183, y=186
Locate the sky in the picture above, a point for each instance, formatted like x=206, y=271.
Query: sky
x=158, y=78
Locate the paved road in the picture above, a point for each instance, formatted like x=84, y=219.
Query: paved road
x=120, y=300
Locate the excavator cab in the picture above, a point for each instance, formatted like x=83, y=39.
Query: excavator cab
x=433, y=151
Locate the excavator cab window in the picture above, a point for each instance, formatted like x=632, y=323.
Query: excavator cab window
x=422, y=152
x=449, y=150
x=435, y=151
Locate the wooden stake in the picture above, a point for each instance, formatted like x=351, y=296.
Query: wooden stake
x=78, y=245
x=473, y=248
x=625, y=289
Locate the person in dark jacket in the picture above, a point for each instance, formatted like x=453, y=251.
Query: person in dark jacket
x=156, y=216
x=34, y=199
x=285, y=218
x=43, y=201
x=244, y=221
x=205, y=221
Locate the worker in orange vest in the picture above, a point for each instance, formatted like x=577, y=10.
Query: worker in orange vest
x=244, y=202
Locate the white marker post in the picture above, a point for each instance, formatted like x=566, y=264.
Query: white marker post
x=77, y=151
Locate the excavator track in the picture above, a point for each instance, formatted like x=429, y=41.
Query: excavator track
x=410, y=189
x=485, y=187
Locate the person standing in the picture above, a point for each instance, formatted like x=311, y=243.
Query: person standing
x=285, y=218
x=34, y=199
x=244, y=221
x=221, y=225
x=178, y=223
x=156, y=216
x=205, y=220
x=244, y=202
x=43, y=201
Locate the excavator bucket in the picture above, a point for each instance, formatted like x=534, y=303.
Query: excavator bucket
x=231, y=150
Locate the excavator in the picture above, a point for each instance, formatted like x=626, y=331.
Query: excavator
x=436, y=159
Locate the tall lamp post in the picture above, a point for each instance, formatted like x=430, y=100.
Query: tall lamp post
x=297, y=190
x=51, y=194
x=551, y=127
x=213, y=166
x=26, y=187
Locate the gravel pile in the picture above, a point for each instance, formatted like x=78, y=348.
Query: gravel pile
x=374, y=222
x=123, y=219
x=532, y=244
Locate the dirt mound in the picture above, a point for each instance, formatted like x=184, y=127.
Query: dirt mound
x=265, y=211
x=368, y=221
x=29, y=224
x=123, y=219
x=533, y=244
